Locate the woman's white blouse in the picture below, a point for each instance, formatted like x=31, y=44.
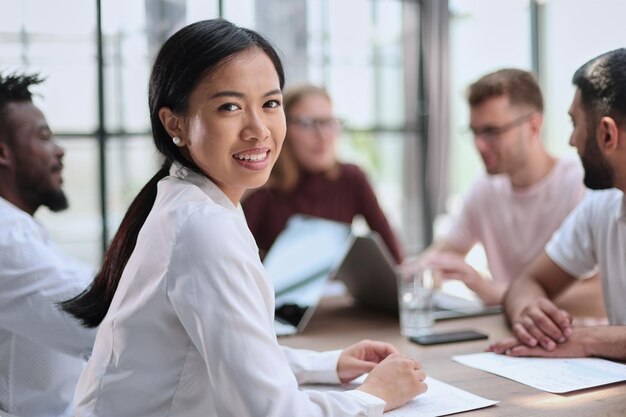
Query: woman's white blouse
x=190, y=329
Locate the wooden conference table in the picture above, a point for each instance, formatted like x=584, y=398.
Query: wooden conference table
x=337, y=323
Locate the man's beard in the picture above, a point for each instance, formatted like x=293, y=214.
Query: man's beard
x=36, y=194
x=55, y=200
x=599, y=174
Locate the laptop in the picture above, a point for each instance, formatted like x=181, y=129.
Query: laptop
x=300, y=263
x=367, y=270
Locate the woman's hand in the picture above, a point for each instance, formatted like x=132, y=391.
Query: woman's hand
x=361, y=358
x=396, y=380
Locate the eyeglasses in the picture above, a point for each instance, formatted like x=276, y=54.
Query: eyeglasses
x=327, y=124
x=492, y=133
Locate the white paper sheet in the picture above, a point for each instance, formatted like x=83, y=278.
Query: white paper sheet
x=548, y=374
x=441, y=399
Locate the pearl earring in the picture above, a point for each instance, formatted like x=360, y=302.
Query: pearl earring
x=177, y=141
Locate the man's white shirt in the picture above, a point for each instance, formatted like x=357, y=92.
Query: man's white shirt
x=42, y=349
x=593, y=237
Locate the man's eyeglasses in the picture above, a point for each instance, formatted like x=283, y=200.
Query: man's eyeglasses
x=326, y=124
x=492, y=133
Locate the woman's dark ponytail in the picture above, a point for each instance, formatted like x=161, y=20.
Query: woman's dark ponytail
x=91, y=305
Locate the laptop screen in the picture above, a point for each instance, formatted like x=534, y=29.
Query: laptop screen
x=368, y=272
x=300, y=263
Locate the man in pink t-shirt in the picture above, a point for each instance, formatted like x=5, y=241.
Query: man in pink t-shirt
x=514, y=208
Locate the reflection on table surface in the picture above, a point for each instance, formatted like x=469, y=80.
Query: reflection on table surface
x=338, y=323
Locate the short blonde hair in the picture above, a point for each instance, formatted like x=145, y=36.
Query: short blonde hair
x=286, y=171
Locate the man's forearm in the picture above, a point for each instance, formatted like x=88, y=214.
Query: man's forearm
x=605, y=341
x=490, y=292
x=542, y=279
x=522, y=292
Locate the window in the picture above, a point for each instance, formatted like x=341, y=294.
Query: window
x=575, y=32
x=361, y=64
x=485, y=35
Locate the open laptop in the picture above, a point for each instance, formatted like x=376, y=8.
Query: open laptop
x=300, y=263
x=367, y=271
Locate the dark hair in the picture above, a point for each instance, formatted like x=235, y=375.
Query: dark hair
x=184, y=60
x=519, y=86
x=602, y=85
x=14, y=87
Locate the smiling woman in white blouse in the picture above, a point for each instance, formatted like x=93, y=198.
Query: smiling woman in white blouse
x=184, y=306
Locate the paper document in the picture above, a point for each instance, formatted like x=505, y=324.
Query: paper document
x=557, y=375
x=441, y=399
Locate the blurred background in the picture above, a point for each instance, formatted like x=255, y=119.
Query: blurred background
x=397, y=70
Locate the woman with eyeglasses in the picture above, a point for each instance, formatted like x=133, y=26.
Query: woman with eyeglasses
x=308, y=178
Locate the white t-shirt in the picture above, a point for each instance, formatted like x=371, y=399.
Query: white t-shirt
x=42, y=349
x=594, y=236
x=190, y=330
x=515, y=224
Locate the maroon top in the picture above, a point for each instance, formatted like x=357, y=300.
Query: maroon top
x=267, y=210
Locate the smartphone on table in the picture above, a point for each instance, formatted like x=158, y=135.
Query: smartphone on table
x=448, y=337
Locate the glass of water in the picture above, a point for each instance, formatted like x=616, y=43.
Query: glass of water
x=416, y=286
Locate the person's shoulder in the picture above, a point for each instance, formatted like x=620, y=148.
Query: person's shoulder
x=352, y=172
x=205, y=212
x=203, y=228
x=17, y=226
x=10, y=213
x=206, y=215
x=600, y=206
x=257, y=197
x=488, y=184
x=570, y=162
x=570, y=167
x=350, y=169
x=208, y=240
x=604, y=199
x=180, y=203
x=354, y=179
